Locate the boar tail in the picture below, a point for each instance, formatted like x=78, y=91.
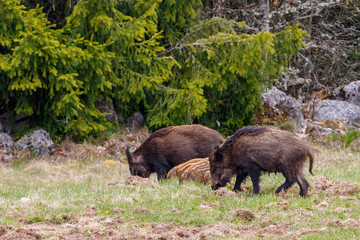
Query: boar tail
x=311, y=160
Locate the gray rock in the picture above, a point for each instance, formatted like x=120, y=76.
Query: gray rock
x=281, y=101
x=319, y=129
x=335, y=110
x=350, y=93
x=106, y=106
x=7, y=147
x=135, y=121
x=38, y=141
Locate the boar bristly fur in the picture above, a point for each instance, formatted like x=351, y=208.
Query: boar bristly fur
x=171, y=146
x=252, y=150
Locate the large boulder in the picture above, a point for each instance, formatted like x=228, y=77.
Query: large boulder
x=289, y=105
x=105, y=106
x=37, y=141
x=349, y=93
x=335, y=110
x=7, y=147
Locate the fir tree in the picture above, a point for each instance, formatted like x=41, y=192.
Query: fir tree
x=115, y=50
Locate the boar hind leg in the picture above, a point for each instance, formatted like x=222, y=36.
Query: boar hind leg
x=239, y=179
x=302, y=183
x=288, y=182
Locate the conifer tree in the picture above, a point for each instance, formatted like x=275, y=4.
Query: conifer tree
x=42, y=77
x=133, y=39
x=115, y=50
x=223, y=74
x=57, y=75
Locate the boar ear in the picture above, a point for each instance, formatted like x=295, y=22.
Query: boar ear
x=128, y=155
x=218, y=155
x=216, y=147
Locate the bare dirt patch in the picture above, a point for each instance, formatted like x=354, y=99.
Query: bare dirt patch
x=113, y=222
x=320, y=183
x=303, y=232
x=142, y=210
x=224, y=192
x=174, y=211
x=244, y=214
x=105, y=227
x=174, y=231
x=139, y=181
x=117, y=210
x=18, y=216
x=2, y=230
x=280, y=205
x=277, y=231
x=350, y=222
x=211, y=204
x=208, y=207
x=21, y=233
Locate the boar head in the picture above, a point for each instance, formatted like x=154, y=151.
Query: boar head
x=137, y=165
x=220, y=176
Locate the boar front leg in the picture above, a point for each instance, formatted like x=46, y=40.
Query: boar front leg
x=161, y=173
x=239, y=179
x=161, y=168
x=254, y=172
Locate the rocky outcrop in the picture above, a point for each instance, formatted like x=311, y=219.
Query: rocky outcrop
x=105, y=106
x=7, y=148
x=289, y=105
x=135, y=121
x=38, y=141
x=349, y=93
x=335, y=110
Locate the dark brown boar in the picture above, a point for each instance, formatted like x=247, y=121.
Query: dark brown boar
x=171, y=146
x=252, y=150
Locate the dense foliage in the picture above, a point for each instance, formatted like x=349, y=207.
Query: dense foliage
x=157, y=56
x=332, y=56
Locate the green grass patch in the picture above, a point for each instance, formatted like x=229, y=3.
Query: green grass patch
x=37, y=191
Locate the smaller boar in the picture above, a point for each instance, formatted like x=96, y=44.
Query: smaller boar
x=180, y=169
x=198, y=172
x=171, y=146
x=197, y=169
x=252, y=150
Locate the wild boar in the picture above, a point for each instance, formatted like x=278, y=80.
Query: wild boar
x=171, y=146
x=179, y=170
x=198, y=172
x=197, y=169
x=252, y=150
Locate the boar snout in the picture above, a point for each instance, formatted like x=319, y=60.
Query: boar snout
x=216, y=186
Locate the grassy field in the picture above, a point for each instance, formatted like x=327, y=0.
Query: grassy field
x=83, y=195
